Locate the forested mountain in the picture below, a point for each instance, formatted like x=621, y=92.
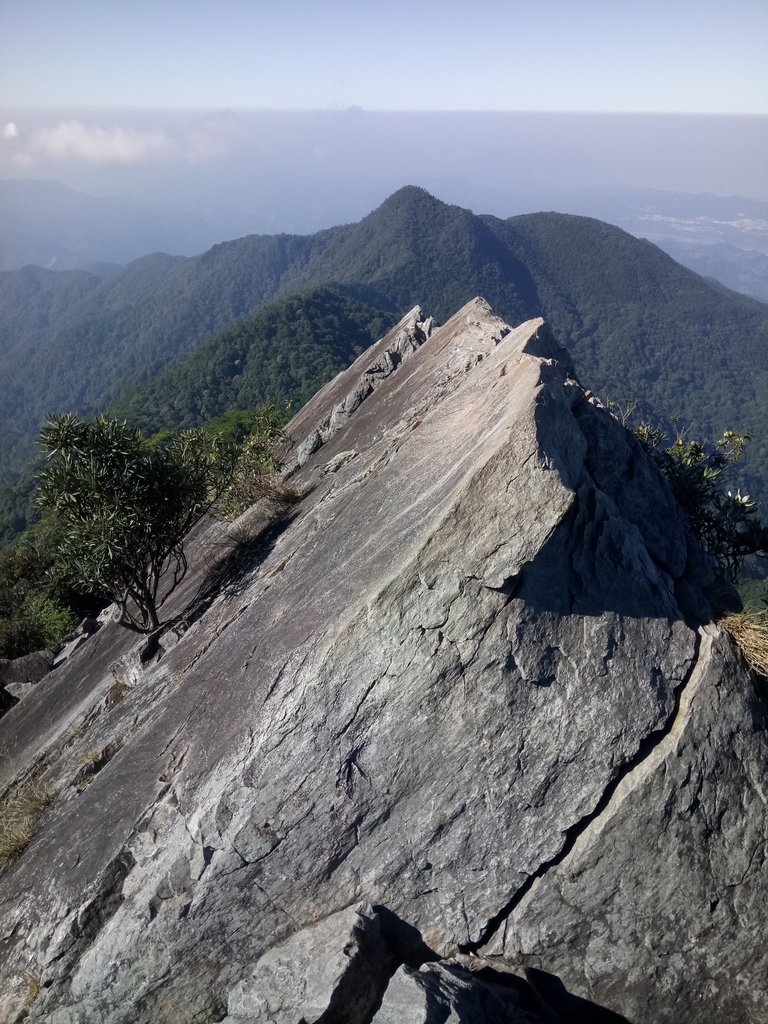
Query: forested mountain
x=640, y=327
x=32, y=300
x=283, y=354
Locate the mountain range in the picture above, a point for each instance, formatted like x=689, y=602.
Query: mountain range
x=641, y=329
x=49, y=224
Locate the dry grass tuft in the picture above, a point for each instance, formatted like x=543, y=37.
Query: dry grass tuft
x=90, y=764
x=34, y=984
x=21, y=808
x=750, y=631
x=270, y=491
x=117, y=692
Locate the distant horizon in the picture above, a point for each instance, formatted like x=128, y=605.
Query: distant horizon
x=354, y=108
x=227, y=157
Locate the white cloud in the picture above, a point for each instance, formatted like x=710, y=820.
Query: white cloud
x=73, y=140
x=77, y=141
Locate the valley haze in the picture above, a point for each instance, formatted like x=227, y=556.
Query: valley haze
x=217, y=162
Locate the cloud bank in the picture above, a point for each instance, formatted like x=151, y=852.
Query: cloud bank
x=75, y=141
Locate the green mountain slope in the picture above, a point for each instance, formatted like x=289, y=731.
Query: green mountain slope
x=643, y=329
x=415, y=249
x=640, y=327
x=33, y=299
x=282, y=354
x=127, y=329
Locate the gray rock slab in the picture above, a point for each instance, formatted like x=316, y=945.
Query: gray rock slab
x=338, y=970
x=449, y=994
x=658, y=909
x=424, y=689
x=28, y=669
x=19, y=675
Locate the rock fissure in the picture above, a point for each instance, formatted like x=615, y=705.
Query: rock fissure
x=90, y=918
x=367, y=692
x=748, y=870
x=577, y=830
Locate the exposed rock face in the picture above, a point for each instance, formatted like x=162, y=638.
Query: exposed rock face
x=19, y=675
x=340, y=967
x=376, y=365
x=445, y=992
x=470, y=683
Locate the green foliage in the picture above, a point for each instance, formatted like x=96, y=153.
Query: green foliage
x=49, y=575
x=125, y=506
x=725, y=521
x=258, y=433
x=237, y=425
x=38, y=623
x=17, y=504
x=36, y=610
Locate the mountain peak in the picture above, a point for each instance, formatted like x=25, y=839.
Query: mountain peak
x=412, y=197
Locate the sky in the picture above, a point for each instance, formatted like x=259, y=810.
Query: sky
x=692, y=56
x=293, y=114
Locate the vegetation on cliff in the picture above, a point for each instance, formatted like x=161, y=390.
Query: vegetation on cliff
x=36, y=607
x=117, y=508
x=725, y=521
x=124, y=505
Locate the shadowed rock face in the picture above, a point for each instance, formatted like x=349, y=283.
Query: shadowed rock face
x=468, y=685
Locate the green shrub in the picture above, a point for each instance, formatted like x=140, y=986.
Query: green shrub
x=725, y=520
x=36, y=610
x=39, y=623
x=124, y=505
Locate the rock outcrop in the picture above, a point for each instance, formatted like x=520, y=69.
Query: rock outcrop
x=456, y=739
x=19, y=675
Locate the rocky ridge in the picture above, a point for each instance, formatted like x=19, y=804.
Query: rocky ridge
x=456, y=739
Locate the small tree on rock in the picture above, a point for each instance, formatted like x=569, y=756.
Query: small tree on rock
x=126, y=505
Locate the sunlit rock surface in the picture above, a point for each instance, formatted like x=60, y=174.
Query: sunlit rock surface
x=461, y=708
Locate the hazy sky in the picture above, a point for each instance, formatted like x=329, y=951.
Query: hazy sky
x=699, y=56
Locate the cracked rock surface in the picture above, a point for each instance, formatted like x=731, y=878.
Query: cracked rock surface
x=468, y=684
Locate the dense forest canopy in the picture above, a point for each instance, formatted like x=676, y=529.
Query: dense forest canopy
x=281, y=355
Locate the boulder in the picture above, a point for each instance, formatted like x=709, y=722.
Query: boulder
x=337, y=969
x=76, y=639
x=19, y=675
x=446, y=992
